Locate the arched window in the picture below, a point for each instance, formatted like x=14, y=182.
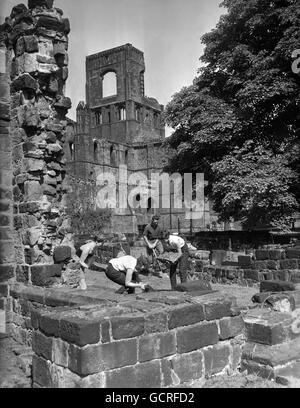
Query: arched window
x=142, y=83
x=71, y=146
x=126, y=156
x=150, y=205
x=109, y=84
x=121, y=113
x=138, y=113
x=98, y=118
x=95, y=150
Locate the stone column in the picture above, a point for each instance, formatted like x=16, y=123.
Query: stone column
x=37, y=40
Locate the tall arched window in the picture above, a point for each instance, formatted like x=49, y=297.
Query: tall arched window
x=109, y=84
x=142, y=83
x=95, y=150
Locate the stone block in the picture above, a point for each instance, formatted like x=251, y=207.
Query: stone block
x=122, y=378
x=42, y=345
x=231, y=327
x=245, y=260
x=268, y=327
x=276, y=286
x=276, y=254
x=289, y=264
x=31, y=236
x=197, y=336
x=62, y=254
x=127, y=327
x=25, y=82
x=188, y=367
x=185, y=316
x=80, y=331
x=4, y=290
x=22, y=273
x=253, y=274
x=293, y=253
x=33, y=165
x=41, y=372
x=217, y=309
x=105, y=331
x=63, y=103
x=42, y=275
x=260, y=265
x=48, y=324
x=92, y=359
x=7, y=253
x=60, y=352
x=27, y=63
x=156, y=346
x=156, y=322
x=262, y=254
x=198, y=287
x=216, y=358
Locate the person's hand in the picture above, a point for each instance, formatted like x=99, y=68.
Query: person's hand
x=142, y=286
x=83, y=264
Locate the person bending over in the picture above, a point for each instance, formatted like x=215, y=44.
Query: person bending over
x=179, y=245
x=85, y=254
x=124, y=271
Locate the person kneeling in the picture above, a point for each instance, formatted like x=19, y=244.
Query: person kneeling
x=124, y=271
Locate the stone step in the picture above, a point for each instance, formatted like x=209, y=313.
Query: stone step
x=265, y=326
x=289, y=375
x=273, y=356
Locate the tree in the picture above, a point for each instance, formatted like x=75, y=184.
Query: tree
x=239, y=121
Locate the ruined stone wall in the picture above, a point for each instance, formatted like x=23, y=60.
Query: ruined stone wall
x=35, y=40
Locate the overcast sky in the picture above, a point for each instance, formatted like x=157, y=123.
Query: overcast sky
x=167, y=31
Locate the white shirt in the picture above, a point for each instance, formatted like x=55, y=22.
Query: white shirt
x=124, y=263
x=87, y=249
x=176, y=241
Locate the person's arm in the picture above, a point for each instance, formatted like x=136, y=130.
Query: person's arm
x=129, y=283
x=146, y=239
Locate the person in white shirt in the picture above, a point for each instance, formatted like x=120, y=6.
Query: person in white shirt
x=85, y=255
x=179, y=245
x=124, y=271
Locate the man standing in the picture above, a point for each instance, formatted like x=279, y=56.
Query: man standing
x=179, y=245
x=152, y=236
x=124, y=271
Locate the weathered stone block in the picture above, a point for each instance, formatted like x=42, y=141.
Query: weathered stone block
x=31, y=236
x=127, y=327
x=60, y=352
x=216, y=358
x=268, y=327
x=7, y=252
x=156, y=322
x=105, y=331
x=262, y=254
x=48, y=324
x=62, y=254
x=63, y=103
x=245, y=260
x=185, y=316
x=22, y=273
x=41, y=275
x=293, y=253
x=25, y=82
x=231, y=327
x=276, y=254
x=27, y=63
x=289, y=264
x=80, y=331
x=32, y=165
x=260, y=265
x=41, y=371
x=276, y=286
x=218, y=308
x=252, y=274
x=196, y=337
x=156, y=346
x=42, y=345
x=188, y=367
x=123, y=378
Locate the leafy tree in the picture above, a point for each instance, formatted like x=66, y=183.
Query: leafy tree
x=239, y=121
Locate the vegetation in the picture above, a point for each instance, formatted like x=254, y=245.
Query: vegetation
x=239, y=121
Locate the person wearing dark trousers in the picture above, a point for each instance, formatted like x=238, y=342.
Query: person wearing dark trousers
x=179, y=245
x=124, y=271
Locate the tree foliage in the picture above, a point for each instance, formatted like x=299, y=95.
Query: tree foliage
x=239, y=121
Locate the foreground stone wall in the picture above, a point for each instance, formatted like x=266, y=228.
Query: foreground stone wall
x=110, y=348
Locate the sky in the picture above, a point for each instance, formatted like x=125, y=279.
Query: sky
x=167, y=31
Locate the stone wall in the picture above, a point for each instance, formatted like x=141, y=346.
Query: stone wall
x=33, y=128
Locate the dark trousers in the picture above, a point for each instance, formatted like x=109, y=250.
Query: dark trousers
x=118, y=276
x=183, y=266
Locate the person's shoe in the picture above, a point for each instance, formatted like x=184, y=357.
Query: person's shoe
x=121, y=290
x=131, y=291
